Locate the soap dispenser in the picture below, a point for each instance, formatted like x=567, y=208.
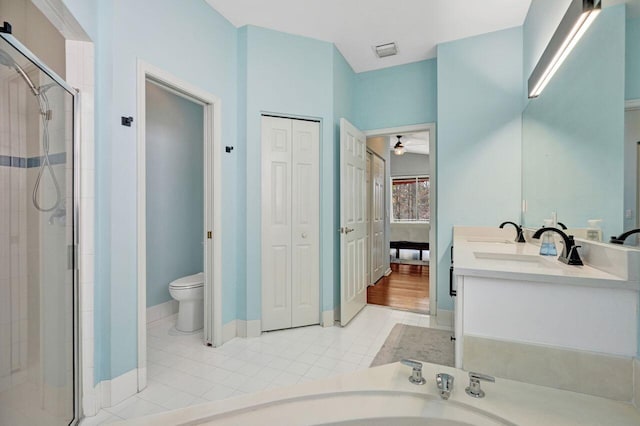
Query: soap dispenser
x=548, y=246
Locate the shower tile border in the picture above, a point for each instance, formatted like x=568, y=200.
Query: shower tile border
x=28, y=163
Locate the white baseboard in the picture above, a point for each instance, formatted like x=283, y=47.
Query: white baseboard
x=163, y=310
x=118, y=389
x=254, y=328
x=387, y=272
x=444, y=318
x=251, y=328
x=91, y=401
x=327, y=318
x=241, y=328
x=229, y=331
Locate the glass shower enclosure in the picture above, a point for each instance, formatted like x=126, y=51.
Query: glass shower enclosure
x=38, y=234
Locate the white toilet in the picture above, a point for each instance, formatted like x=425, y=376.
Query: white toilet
x=189, y=292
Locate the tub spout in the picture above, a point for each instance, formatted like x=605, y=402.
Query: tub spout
x=445, y=385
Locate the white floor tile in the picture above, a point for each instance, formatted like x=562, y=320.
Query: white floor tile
x=252, y=385
x=317, y=372
x=279, y=363
x=285, y=379
x=182, y=371
x=218, y=392
x=298, y=367
x=135, y=407
x=102, y=418
x=267, y=374
x=166, y=396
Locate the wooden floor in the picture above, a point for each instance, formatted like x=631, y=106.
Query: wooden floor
x=407, y=287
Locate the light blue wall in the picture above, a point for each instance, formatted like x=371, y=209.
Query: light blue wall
x=195, y=43
x=397, y=96
x=564, y=141
x=200, y=48
x=288, y=75
x=479, y=137
x=633, y=59
x=344, y=87
x=175, y=190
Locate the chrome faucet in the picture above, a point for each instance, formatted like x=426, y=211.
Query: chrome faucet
x=620, y=239
x=445, y=384
x=520, y=235
x=416, y=376
x=570, y=254
x=474, y=384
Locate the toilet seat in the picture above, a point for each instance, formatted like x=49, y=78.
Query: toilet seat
x=188, y=282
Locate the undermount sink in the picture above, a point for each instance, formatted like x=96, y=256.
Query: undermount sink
x=489, y=240
x=509, y=257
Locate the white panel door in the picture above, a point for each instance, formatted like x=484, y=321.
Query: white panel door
x=305, y=303
x=290, y=223
x=276, y=223
x=378, y=219
x=353, y=234
x=369, y=245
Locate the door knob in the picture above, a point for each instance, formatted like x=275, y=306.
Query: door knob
x=347, y=230
x=304, y=235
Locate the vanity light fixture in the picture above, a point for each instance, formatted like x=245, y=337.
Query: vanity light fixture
x=398, y=149
x=579, y=16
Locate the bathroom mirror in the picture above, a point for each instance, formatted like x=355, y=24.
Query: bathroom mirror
x=574, y=159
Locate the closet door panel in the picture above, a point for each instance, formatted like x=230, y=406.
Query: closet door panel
x=305, y=223
x=276, y=223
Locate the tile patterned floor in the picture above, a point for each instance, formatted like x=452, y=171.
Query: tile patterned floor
x=183, y=372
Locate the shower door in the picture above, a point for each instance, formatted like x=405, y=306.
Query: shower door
x=38, y=297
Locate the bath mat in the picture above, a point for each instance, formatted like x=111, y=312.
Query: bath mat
x=418, y=343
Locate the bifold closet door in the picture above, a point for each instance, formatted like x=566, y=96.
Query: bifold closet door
x=290, y=223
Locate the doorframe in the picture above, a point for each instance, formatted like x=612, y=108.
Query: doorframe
x=212, y=202
x=433, y=244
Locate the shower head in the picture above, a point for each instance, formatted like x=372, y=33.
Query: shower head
x=8, y=61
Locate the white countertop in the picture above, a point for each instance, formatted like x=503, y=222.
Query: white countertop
x=474, y=247
x=384, y=392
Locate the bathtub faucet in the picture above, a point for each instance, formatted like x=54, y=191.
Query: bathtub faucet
x=416, y=376
x=445, y=384
x=474, y=384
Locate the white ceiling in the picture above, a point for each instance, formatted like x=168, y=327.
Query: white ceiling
x=355, y=26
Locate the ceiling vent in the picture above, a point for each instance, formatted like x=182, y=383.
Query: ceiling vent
x=384, y=50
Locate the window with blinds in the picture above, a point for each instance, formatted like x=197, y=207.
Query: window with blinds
x=410, y=199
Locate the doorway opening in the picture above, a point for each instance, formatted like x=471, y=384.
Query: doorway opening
x=401, y=167
x=179, y=218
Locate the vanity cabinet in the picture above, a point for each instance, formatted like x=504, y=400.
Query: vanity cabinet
x=536, y=320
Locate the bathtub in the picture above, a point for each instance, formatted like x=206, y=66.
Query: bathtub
x=384, y=396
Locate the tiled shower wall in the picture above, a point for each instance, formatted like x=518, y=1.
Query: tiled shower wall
x=13, y=236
